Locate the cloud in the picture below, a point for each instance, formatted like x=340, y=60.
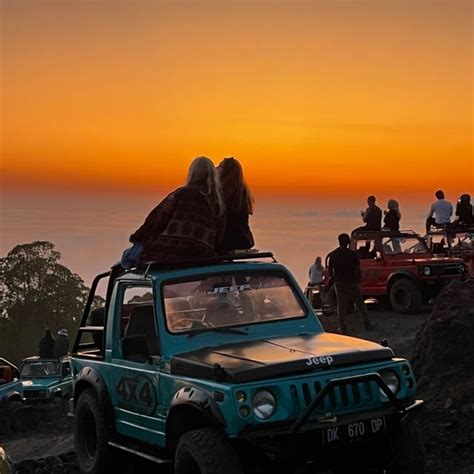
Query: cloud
x=347, y=213
x=306, y=213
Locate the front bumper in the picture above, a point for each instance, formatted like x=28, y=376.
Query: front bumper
x=305, y=439
x=36, y=395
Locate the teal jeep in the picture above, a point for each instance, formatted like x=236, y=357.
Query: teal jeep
x=11, y=389
x=46, y=379
x=221, y=366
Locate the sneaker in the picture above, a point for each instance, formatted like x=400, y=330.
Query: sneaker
x=369, y=326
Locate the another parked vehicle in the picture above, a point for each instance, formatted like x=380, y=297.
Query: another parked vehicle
x=221, y=366
x=11, y=398
x=11, y=389
x=398, y=267
x=454, y=241
x=46, y=379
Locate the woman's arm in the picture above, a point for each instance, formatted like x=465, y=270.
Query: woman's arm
x=158, y=218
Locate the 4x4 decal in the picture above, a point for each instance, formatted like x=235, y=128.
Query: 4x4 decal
x=137, y=394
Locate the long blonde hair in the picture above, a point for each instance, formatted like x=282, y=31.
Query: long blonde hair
x=202, y=173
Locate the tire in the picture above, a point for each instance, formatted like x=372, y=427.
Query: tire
x=13, y=406
x=206, y=451
x=91, y=437
x=405, y=296
x=408, y=454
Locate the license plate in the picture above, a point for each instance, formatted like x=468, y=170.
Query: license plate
x=354, y=432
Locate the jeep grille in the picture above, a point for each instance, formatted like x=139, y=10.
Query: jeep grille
x=35, y=393
x=349, y=396
x=447, y=270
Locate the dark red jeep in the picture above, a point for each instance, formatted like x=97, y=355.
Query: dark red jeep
x=454, y=241
x=398, y=267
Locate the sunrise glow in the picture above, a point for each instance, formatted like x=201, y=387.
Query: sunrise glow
x=312, y=97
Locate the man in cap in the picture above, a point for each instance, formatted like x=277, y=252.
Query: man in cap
x=61, y=346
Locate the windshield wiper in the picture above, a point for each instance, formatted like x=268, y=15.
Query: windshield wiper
x=218, y=329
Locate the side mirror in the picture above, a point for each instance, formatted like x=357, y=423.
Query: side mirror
x=135, y=348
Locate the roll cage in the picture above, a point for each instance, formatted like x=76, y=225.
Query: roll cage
x=90, y=349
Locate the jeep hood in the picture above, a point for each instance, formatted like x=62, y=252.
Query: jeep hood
x=268, y=358
x=438, y=260
x=40, y=383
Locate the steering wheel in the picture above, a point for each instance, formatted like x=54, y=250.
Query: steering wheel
x=180, y=324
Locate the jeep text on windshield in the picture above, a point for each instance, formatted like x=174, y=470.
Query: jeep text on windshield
x=229, y=300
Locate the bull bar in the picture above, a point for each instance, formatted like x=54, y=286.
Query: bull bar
x=372, y=377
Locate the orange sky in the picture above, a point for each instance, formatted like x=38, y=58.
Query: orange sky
x=314, y=96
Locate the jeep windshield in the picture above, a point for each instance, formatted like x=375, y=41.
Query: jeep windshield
x=43, y=368
x=218, y=302
x=404, y=246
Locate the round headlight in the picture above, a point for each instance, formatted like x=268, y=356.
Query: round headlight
x=263, y=404
x=426, y=271
x=392, y=381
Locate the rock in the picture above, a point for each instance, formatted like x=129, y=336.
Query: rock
x=443, y=350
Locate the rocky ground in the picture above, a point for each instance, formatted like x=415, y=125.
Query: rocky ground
x=440, y=344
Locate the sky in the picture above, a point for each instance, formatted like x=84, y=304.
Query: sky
x=104, y=103
x=327, y=98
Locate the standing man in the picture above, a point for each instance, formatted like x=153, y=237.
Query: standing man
x=372, y=217
x=442, y=211
x=344, y=267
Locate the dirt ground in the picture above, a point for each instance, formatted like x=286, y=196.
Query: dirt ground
x=54, y=436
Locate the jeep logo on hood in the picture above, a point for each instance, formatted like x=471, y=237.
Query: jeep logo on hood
x=323, y=360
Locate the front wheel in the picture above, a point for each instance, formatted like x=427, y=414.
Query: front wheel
x=405, y=296
x=91, y=438
x=206, y=451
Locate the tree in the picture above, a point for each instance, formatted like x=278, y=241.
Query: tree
x=37, y=292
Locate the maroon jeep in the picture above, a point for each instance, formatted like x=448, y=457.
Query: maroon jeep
x=399, y=267
x=453, y=241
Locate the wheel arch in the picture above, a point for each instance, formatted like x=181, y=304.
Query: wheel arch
x=191, y=408
x=15, y=397
x=88, y=377
x=398, y=275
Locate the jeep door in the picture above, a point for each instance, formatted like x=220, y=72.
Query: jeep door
x=371, y=265
x=136, y=364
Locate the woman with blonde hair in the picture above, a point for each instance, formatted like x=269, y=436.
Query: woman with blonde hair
x=392, y=216
x=239, y=206
x=186, y=224
x=316, y=272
